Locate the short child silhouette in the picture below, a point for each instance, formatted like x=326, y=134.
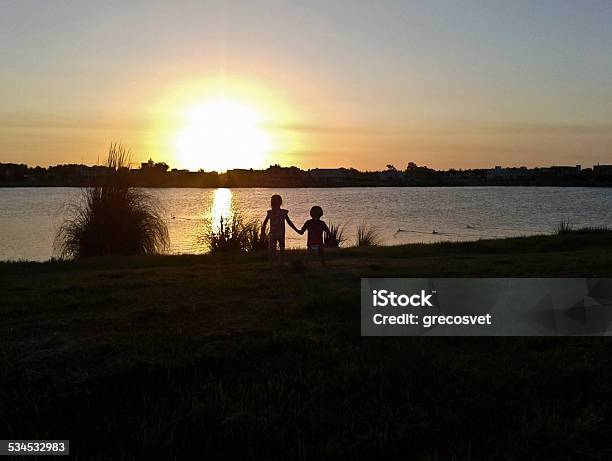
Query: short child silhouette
x=315, y=228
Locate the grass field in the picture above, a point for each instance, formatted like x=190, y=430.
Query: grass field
x=222, y=357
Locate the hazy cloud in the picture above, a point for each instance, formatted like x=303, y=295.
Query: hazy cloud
x=41, y=121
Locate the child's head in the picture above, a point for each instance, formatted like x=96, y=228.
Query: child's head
x=276, y=201
x=316, y=212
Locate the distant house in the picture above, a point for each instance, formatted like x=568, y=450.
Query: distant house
x=332, y=176
x=561, y=171
x=186, y=178
x=602, y=171
x=282, y=176
x=522, y=174
x=328, y=173
x=498, y=173
x=154, y=166
x=92, y=172
x=240, y=177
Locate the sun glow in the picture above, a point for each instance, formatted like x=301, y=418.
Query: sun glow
x=220, y=135
x=223, y=123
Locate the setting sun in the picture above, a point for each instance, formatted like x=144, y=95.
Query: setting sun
x=220, y=135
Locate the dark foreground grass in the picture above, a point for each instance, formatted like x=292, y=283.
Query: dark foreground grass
x=220, y=357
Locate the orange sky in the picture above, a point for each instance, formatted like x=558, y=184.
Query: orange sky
x=388, y=82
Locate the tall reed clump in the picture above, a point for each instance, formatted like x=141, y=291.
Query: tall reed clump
x=255, y=239
x=367, y=236
x=564, y=227
x=335, y=237
x=113, y=218
x=234, y=234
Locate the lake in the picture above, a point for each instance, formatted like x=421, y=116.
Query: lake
x=29, y=217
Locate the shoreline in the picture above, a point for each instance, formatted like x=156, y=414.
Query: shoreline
x=379, y=186
x=297, y=251
x=588, y=238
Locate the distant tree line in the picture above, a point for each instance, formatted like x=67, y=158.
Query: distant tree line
x=159, y=174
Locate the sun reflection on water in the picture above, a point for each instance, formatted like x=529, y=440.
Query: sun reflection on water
x=221, y=207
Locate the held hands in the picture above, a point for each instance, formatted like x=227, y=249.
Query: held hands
x=299, y=231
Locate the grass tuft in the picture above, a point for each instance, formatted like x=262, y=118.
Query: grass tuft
x=113, y=218
x=227, y=236
x=566, y=227
x=367, y=236
x=255, y=239
x=234, y=234
x=336, y=237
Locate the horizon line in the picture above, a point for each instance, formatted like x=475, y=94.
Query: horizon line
x=170, y=168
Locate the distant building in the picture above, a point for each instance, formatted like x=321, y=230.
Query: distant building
x=92, y=172
x=602, y=171
x=333, y=177
x=240, y=177
x=561, y=171
x=328, y=173
x=498, y=173
x=506, y=174
x=277, y=175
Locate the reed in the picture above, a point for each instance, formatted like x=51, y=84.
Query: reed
x=235, y=234
x=255, y=239
x=228, y=235
x=336, y=236
x=113, y=218
x=566, y=227
x=367, y=236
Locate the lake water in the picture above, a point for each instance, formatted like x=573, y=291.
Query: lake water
x=29, y=217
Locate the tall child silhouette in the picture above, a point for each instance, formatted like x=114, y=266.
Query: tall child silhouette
x=277, y=217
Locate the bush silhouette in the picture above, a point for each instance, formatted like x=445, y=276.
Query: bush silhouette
x=113, y=218
x=336, y=237
x=234, y=234
x=367, y=236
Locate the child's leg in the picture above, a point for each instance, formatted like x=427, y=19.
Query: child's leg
x=307, y=257
x=271, y=250
x=281, y=249
x=322, y=254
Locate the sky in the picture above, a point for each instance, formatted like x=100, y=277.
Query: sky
x=361, y=84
